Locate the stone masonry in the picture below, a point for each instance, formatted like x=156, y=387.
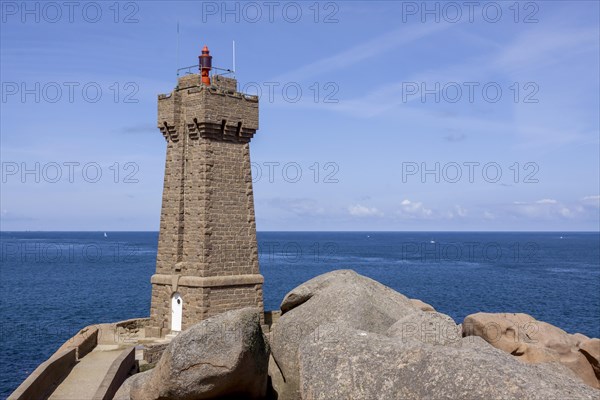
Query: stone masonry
x=207, y=250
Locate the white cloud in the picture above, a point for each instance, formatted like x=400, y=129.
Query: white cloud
x=359, y=210
x=414, y=209
x=546, y=209
x=591, y=200
x=458, y=211
x=546, y=201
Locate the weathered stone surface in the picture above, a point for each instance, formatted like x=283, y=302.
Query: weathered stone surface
x=276, y=378
x=342, y=297
x=531, y=341
x=338, y=362
x=591, y=350
x=225, y=355
x=427, y=327
x=579, y=338
x=421, y=305
x=124, y=392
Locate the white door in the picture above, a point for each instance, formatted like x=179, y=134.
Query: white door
x=176, y=311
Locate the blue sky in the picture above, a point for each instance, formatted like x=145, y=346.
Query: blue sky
x=411, y=116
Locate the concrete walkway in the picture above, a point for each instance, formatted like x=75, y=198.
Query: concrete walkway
x=88, y=373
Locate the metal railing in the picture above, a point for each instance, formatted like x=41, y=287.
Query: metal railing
x=214, y=71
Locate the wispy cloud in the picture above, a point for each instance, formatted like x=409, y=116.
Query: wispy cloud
x=364, y=51
x=297, y=206
x=591, y=201
x=543, y=47
x=546, y=201
x=489, y=215
x=536, y=125
x=359, y=210
x=453, y=138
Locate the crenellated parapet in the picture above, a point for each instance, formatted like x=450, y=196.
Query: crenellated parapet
x=217, y=111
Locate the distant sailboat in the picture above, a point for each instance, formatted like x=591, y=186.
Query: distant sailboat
x=105, y=235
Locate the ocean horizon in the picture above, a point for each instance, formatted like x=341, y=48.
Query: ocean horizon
x=55, y=283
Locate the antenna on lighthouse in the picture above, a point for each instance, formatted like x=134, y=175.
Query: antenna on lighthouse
x=233, y=48
x=177, y=48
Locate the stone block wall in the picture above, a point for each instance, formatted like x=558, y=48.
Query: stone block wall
x=200, y=303
x=224, y=82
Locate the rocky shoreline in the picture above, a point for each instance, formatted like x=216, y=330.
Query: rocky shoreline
x=345, y=336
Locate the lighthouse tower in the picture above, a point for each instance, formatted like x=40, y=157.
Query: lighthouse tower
x=207, y=260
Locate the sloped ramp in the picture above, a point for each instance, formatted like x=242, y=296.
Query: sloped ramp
x=88, y=374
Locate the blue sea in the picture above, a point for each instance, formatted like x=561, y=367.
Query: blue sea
x=54, y=283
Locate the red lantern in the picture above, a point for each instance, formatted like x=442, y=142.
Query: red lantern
x=205, y=64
